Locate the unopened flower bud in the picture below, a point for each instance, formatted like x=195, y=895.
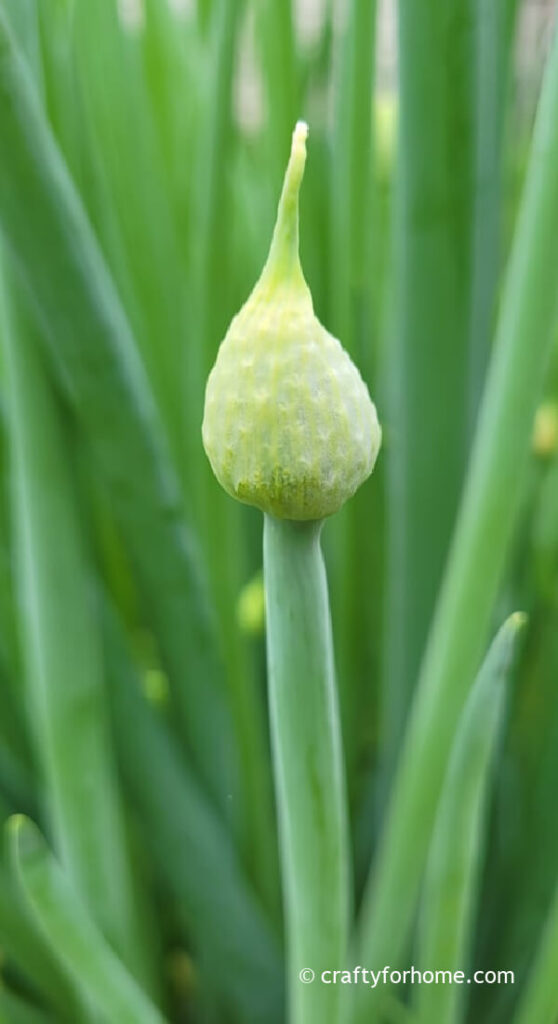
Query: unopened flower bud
x=288, y=423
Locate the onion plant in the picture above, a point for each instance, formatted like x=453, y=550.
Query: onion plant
x=289, y=427
x=210, y=804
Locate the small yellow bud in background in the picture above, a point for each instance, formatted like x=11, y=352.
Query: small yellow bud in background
x=156, y=686
x=250, y=607
x=545, y=430
x=288, y=423
x=182, y=973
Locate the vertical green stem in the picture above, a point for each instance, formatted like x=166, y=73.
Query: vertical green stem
x=308, y=764
x=351, y=177
x=280, y=70
x=495, y=33
x=428, y=362
x=350, y=293
x=214, y=145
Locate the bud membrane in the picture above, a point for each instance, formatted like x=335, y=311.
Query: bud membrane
x=288, y=422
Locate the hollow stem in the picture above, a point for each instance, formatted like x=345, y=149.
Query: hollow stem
x=308, y=768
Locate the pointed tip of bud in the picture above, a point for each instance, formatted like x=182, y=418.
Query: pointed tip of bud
x=295, y=168
x=283, y=261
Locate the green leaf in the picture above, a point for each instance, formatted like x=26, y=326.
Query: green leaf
x=220, y=526
x=16, y=1011
x=135, y=216
x=482, y=540
x=450, y=888
x=428, y=358
x=21, y=943
x=76, y=941
x=539, y=1001
x=62, y=652
x=193, y=854
x=348, y=317
x=92, y=349
x=277, y=42
x=495, y=28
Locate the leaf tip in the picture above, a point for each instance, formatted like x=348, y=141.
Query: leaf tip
x=517, y=621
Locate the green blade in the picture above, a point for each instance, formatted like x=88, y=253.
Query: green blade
x=539, y=1002
x=219, y=523
x=193, y=854
x=496, y=22
x=484, y=532
x=449, y=894
x=276, y=35
x=428, y=358
x=93, y=351
x=16, y=1011
x=21, y=943
x=136, y=207
x=349, y=318
x=62, y=652
x=76, y=941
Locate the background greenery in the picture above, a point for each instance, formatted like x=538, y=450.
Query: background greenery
x=142, y=147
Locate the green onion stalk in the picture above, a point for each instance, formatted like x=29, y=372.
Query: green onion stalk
x=290, y=428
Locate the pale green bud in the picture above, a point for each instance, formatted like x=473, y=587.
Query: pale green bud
x=288, y=423
x=250, y=606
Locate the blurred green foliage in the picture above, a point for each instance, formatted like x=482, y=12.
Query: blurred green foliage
x=142, y=145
